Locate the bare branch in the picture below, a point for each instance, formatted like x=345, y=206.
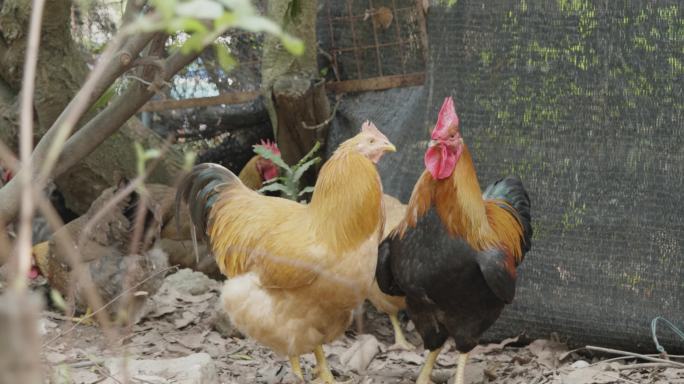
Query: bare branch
x=85, y=140
x=92, y=90
x=26, y=145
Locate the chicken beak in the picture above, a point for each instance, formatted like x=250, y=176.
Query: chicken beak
x=432, y=143
x=390, y=148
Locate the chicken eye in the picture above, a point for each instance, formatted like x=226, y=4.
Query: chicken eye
x=372, y=141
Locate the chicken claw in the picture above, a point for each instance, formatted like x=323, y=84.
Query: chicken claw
x=400, y=342
x=324, y=373
x=460, y=369
x=296, y=368
x=86, y=319
x=426, y=371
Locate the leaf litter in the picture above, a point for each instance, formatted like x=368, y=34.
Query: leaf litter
x=180, y=323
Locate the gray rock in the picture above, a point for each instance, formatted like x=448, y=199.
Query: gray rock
x=191, y=282
x=197, y=368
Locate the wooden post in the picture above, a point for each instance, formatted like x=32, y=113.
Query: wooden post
x=299, y=103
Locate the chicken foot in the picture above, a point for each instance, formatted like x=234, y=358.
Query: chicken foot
x=460, y=368
x=324, y=373
x=85, y=319
x=400, y=341
x=296, y=367
x=426, y=371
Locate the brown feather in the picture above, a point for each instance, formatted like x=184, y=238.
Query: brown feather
x=483, y=224
x=250, y=174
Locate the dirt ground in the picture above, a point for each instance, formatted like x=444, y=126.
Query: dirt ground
x=181, y=320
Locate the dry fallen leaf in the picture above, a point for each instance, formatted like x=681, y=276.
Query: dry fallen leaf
x=494, y=347
x=186, y=319
x=359, y=356
x=547, y=352
x=588, y=375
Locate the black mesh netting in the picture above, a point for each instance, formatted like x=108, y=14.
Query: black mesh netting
x=583, y=100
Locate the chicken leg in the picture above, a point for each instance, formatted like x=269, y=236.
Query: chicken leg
x=86, y=318
x=460, y=368
x=324, y=374
x=426, y=371
x=400, y=341
x=296, y=368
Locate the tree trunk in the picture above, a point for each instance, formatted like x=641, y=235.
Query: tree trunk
x=61, y=71
x=293, y=92
x=61, y=65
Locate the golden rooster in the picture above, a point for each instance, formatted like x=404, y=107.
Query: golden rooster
x=177, y=243
x=295, y=271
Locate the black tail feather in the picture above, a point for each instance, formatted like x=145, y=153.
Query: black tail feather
x=383, y=270
x=200, y=190
x=511, y=190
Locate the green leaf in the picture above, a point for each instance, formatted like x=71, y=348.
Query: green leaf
x=104, y=99
x=187, y=24
x=189, y=160
x=165, y=7
x=310, y=154
x=194, y=43
x=240, y=6
x=293, y=45
x=305, y=190
x=256, y=23
x=227, y=19
x=268, y=155
x=200, y=9
x=300, y=169
x=58, y=300
x=225, y=59
x=274, y=187
x=152, y=154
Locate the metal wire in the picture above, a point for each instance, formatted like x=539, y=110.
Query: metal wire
x=654, y=324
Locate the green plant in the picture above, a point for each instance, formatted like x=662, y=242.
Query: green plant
x=205, y=21
x=288, y=183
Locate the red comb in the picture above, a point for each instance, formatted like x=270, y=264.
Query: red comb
x=447, y=116
x=270, y=145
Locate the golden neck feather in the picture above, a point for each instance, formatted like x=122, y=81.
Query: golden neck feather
x=458, y=200
x=347, y=200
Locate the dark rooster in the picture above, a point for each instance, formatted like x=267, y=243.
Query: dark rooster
x=454, y=256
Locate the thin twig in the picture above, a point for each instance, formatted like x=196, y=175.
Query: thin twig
x=26, y=146
x=632, y=354
x=643, y=366
x=66, y=244
x=617, y=378
x=326, y=121
x=123, y=193
x=84, y=364
x=631, y=357
x=110, y=302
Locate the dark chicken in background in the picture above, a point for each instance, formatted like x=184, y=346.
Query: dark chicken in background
x=259, y=170
x=455, y=254
x=105, y=250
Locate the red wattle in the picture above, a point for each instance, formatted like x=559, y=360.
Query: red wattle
x=33, y=272
x=440, y=162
